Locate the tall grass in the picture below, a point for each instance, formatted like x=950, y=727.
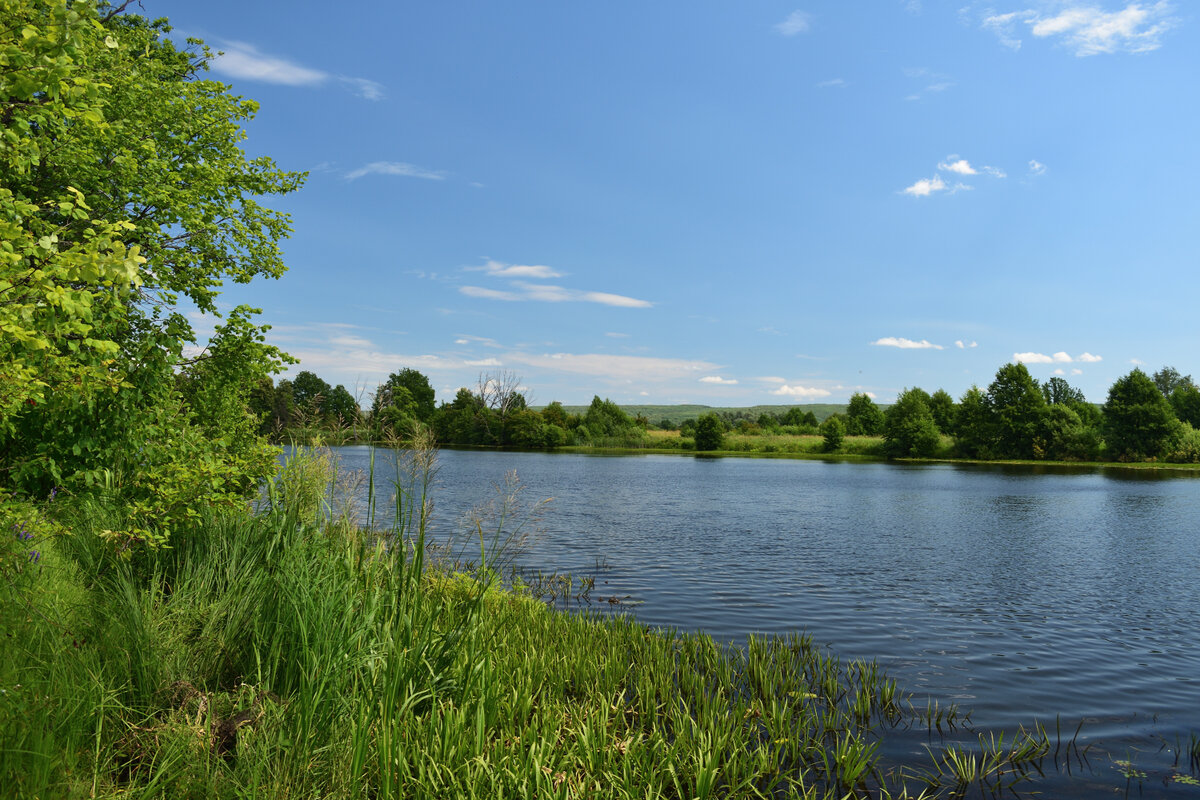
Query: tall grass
x=294, y=653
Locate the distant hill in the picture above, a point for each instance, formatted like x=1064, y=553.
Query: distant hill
x=677, y=414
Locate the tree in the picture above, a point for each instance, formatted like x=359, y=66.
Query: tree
x=417, y=399
x=1185, y=400
x=941, y=405
x=1015, y=401
x=799, y=417
x=1138, y=420
x=908, y=426
x=710, y=432
x=341, y=407
x=973, y=435
x=1057, y=391
x=1168, y=380
x=310, y=393
x=863, y=417
x=834, y=431
x=123, y=188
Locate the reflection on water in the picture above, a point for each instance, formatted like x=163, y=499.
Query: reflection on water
x=1019, y=592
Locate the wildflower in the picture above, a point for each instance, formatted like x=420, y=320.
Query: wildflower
x=53, y=493
x=35, y=556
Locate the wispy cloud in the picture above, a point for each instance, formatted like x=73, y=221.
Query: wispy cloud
x=772, y=379
x=483, y=340
x=797, y=22
x=717, y=379
x=961, y=345
x=1057, y=358
x=1088, y=30
x=616, y=335
x=802, y=392
x=935, y=82
x=611, y=367
x=961, y=166
x=554, y=294
x=1036, y=167
x=906, y=344
x=833, y=83
x=244, y=61
x=396, y=168
x=497, y=269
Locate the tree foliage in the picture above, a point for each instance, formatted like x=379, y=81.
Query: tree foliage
x=908, y=428
x=1138, y=419
x=124, y=190
x=710, y=432
x=863, y=417
x=1015, y=403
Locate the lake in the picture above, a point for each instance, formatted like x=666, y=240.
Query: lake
x=1019, y=593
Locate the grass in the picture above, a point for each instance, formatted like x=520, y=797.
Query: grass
x=293, y=654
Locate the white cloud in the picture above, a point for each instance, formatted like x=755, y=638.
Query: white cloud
x=797, y=22
x=1076, y=371
x=1137, y=362
x=906, y=344
x=717, y=379
x=773, y=379
x=484, y=362
x=961, y=167
x=395, y=168
x=1058, y=358
x=1036, y=167
x=800, y=391
x=926, y=187
x=1058, y=371
x=961, y=345
x=604, y=365
x=244, y=61
x=554, y=294
x=497, y=269
x=483, y=340
x=490, y=294
x=615, y=335
x=1089, y=30
x=832, y=83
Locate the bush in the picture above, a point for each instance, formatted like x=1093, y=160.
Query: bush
x=710, y=433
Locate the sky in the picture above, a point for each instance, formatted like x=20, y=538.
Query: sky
x=724, y=203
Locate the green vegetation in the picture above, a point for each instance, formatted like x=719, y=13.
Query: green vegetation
x=293, y=654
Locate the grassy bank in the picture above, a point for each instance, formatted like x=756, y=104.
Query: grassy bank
x=293, y=654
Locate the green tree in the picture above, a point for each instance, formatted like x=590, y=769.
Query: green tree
x=416, y=400
x=1185, y=400
x=710, y=432
x=605, y=419
x=973, y=425
x=1138, y=419
x=121, y=170
x=908, y=426
x=834, y=431
x=310, y=393
x=1015, y=401
x=1057, y=391
x=340, y=407
x=863, y=417
x=1168, y=380
x=941, y=405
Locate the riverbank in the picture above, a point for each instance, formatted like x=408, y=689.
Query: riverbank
x=293, y=654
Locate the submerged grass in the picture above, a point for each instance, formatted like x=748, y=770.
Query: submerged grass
x=294, y=654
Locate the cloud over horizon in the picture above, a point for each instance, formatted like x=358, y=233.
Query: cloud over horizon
x=906, y=344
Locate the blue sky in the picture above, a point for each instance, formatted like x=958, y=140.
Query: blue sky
x=725, y=203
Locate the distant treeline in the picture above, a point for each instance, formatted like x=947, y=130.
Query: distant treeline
x=1144, y=418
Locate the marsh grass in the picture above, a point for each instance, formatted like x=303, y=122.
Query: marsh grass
x=293, y=653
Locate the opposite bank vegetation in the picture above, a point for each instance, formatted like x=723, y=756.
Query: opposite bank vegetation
x=1146, y=420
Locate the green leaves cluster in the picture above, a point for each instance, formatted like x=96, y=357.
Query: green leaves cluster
x=123, y=192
